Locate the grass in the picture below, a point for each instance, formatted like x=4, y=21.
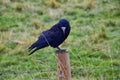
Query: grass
x=94, y=40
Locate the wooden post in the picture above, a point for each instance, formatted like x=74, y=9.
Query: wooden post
x=63, y=63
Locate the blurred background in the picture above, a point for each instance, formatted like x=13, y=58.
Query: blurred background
x=94, y=41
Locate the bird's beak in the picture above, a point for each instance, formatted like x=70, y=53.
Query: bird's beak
x=63, y=29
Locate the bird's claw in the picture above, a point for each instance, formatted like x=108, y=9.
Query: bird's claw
x=61, y=50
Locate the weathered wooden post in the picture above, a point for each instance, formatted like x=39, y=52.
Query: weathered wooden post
x=63, y=63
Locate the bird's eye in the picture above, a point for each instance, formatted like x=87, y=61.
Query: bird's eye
x=63, y=29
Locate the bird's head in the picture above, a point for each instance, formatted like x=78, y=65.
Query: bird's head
x=64, y=26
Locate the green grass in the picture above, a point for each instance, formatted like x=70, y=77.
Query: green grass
x=94, y=41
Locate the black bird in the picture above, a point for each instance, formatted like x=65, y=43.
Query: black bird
x=52, y=37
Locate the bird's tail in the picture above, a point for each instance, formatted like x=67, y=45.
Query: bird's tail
x=35, y=46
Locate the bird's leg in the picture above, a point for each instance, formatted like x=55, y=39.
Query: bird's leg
x=60, y=50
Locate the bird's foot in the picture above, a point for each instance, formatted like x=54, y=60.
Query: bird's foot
x=61, y=50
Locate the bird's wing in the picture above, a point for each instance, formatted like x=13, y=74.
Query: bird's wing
x=54, y=38
x=44, y=40
x=50, y=36
x=40, y=43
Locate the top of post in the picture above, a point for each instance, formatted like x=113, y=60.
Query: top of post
x=62, y=51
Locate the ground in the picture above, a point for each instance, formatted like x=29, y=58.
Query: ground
x=94, y=41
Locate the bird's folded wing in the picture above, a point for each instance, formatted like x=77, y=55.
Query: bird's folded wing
x=50, y=35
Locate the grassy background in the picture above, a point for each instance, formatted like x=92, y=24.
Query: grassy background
x=94, y=41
